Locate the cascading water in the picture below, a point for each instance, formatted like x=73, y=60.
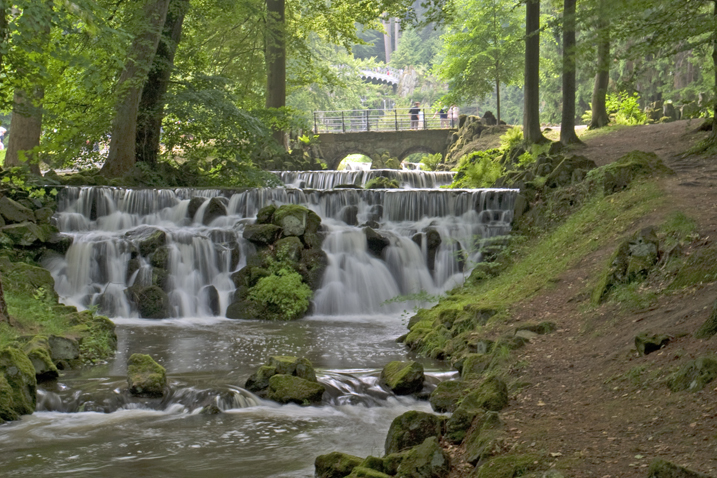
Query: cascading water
x=88, y=425
x=110, y=228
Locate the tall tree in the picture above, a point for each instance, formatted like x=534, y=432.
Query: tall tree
x=600, y=117
x=531, y=112
x=122, y=155
x=25, y=129
x=567, y=126
x=482, y=50
x=151, y=105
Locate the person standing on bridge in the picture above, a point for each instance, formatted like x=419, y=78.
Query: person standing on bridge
x=414, y=112
x=443, y=115
x=454, y=116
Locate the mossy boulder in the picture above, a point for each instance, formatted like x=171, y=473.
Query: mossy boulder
x=666, y=469
x=25, y=234
x=152, y=302
x=289, y=249
x=447, y=395
x=362, y=472
x=265, y=214
x=152, y=242
x=375, y=241
x=215, y=209
x=509, y=466
x=402, y=378
x=298, y=367
x=474, y=365
x=259, y=380
x=700, y=267
x=335, y=465
x=261, y=234
x=646, y=344
x=620, y=174
x=296, y=220
x=145, y=377
x=160, y=257
x=244, y=310
x=695, y=375
x=13, y=212
x=19, y=389
x=411, y=429
x=38, y=351
x=290, y=389
x=382, y=182
x=492, y=394
x=427, y=460
x=463, y=417
x=563, y=174
x=485, y=437
x=43, y=215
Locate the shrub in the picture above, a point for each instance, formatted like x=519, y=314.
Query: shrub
x=430, y=162
x=478, y=170
x=283, y=295
x=626, y=108
x=511, y=139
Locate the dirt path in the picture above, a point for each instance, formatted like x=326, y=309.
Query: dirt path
x=593, y=406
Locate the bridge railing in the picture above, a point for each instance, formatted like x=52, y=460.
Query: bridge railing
x=398, y=119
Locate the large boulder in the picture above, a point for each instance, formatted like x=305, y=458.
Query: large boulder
x=463, y=417
x=38, y=351
x=474, y=365
x=215, y=209
x=289, y=248
x=259, y=380
x=145, y=377
x=298, y=367
x=194, y=204
x=484, y=438
x=564, y=172
x=13, y=212
x=402, y=378
x=244, y=309
x=151, y=242
x=428, y=460
x=363, y=472
x=375, y=241
x=447, y=396
x=152, y=301
x=26, y=278
x=290, y=389
x=411, y=429
x=265, y=214
x=335, y=465
x=63, y=348
x=695, y=375
x=261, y=234
x=492, y=394
x=25, y=234
x=296, y=220
x=18, y=384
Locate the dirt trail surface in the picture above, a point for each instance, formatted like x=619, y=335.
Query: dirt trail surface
x=594, y=407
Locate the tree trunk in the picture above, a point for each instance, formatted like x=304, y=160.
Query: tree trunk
x=122, y=155
x=275, y=57
x=600, y=117
x=4, y=316
x=396, y=33
x=151, y=105
x=3, y=32
x=387, y=40
x=567, y=125
x=25, y=129
x=497, y=98
x=531, y=112
x=714, y=63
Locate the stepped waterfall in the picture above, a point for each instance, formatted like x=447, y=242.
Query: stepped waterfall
x=109, y=227
x=88, y=424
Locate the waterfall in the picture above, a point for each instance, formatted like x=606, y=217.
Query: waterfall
x=428, y=240
x=359, y=177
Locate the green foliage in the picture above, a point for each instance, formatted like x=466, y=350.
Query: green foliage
x=430, y=162
x=626, y=108
x=283, y=294
x=416, y=48
x=480, y=169
x=511, y=139
x=382, y=183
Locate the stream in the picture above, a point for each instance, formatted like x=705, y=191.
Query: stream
x=88, y=425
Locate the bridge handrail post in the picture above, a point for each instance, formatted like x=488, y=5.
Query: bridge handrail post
x=343, y=124
x=368, y=121
x=395, y=116
x=316, y=127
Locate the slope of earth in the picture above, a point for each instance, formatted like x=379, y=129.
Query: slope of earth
x=592, y=406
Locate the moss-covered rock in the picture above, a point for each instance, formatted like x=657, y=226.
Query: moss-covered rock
x=289, y=249
x=694, y=375
x=382, y=182
x=154, y=240
x=160, y=257
x=63, y=348
x=646, y=344
x=485, y=438
x=259, y=380
x=375, y=241
x=700, y=267
x=261, y=234
x=462, y=419
x=145, y=377
x=38, y=351
x=447, y=395
x=25, y=234
x=244, y=310
x=335, y=465
x=492, y=394
x=289, y=365
x=152, y=302
x=474, y=365
x=507, y=466
x=20, y=394
x=402, y=378
x=666, y=469
x=215, y=209
x=411, y=429
x=296, y=220
x=427, y=460
x=265, y=214
x=362, y=472
x=290, y=389
x=13, y=212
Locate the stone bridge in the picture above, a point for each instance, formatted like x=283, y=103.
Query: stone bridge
x=334, y=147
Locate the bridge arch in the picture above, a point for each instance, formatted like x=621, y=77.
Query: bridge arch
x=416, y=149
x=338, y=156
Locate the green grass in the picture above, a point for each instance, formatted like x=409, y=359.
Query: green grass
x=596, y=133
x=2, y=157
x=34, y=314
x=543, y=259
